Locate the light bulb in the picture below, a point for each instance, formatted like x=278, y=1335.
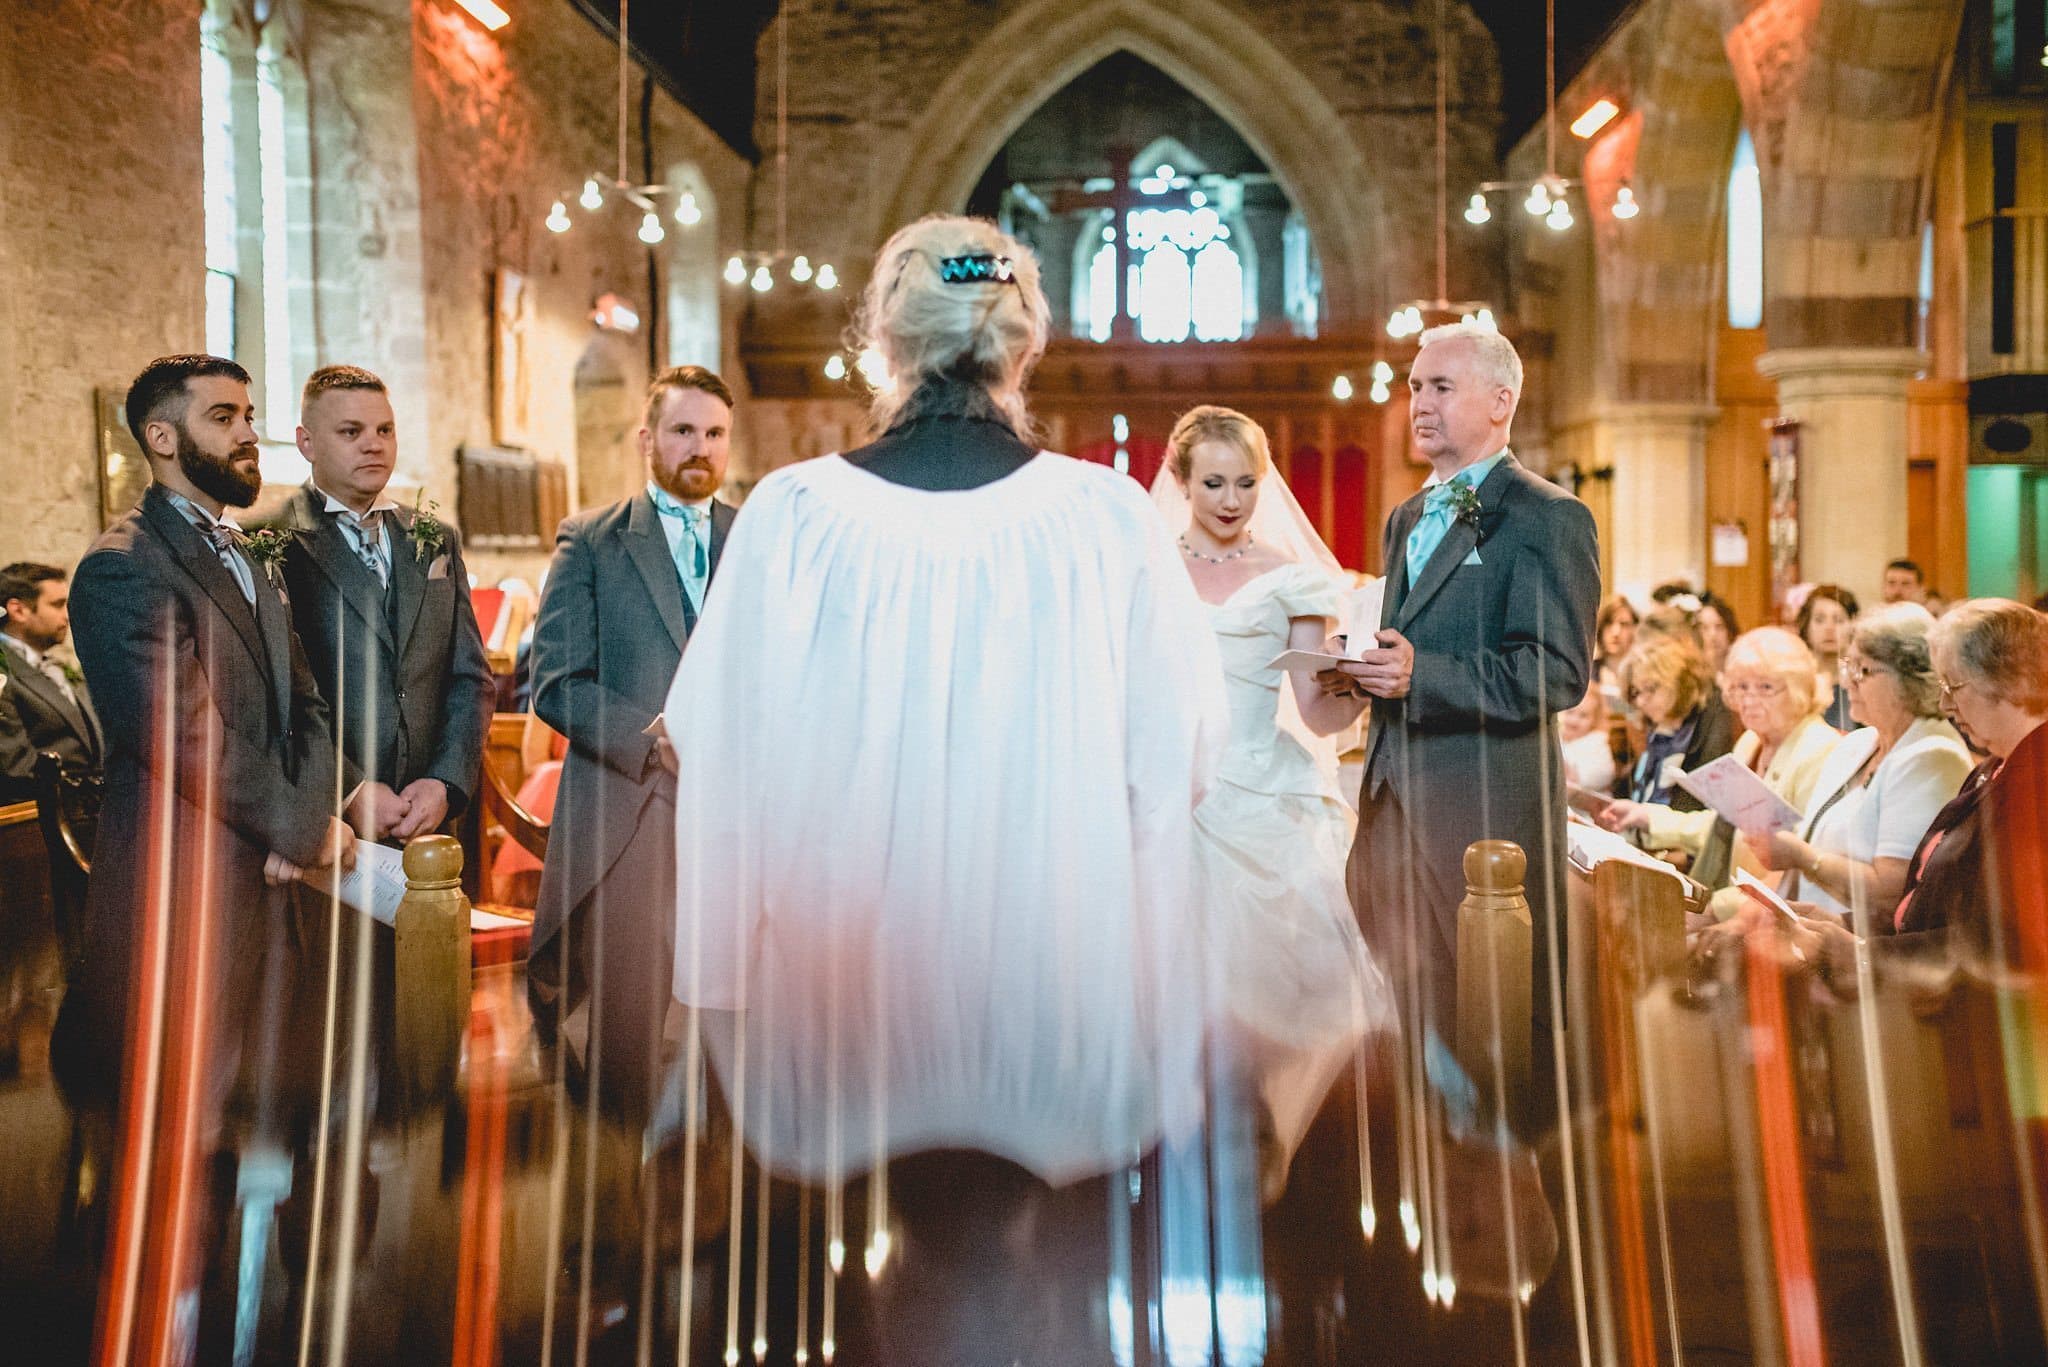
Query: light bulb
x=1467, y=319
x=687, y=212
x=1538, y=202
x=1197, y=199
x=764, y=279
x=872, y=367
x=1485, y=320
x=1394, y=324
x=1382, y=373
x=1340, y=389
x=1625, y=205
x=1165, y=172
x=1478, y=211
x=1560, y=216
x=1380, y=393
x=558, y=218
x=828, y=279
x=800, y=269
x=1414, y=323
x=650, y=228
x=835, y=367
x=592, y=198
x=735, y=272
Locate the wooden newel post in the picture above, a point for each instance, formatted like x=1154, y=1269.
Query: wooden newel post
x=1495, y=943
x=433, y=970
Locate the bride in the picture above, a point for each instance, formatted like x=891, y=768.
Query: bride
x=1296, y=986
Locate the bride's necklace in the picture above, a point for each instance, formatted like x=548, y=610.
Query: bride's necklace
x=1216, y=559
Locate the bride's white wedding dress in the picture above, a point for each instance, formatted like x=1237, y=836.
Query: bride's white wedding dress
x=1295, y=983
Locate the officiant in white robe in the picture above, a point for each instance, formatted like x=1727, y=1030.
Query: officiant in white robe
x=940, y=737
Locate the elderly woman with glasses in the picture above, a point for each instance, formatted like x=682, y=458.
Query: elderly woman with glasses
x=1769, y=682
x=1884, y=784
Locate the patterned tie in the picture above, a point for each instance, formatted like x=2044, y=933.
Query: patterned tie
x=226, y=539
x=1429, y=529
x=367, y=540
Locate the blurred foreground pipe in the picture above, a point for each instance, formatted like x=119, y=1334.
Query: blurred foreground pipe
x=1495, y=941
x=433, y=970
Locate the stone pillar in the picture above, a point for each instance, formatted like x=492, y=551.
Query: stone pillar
x=1659, y=501
x=1851, y=407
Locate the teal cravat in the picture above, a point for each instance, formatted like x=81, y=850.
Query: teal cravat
x=1429, y=529
x=691, y=554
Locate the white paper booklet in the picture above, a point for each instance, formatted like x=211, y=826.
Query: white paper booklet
x=1739, y=796
x=376, y=885
x=1589, y=846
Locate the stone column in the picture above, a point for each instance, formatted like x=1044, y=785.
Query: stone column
x=1851, y=407
x=1659, y=524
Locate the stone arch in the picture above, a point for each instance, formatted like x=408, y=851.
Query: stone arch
x=1036, y=50
x=1844, y=98
x=1659, y=275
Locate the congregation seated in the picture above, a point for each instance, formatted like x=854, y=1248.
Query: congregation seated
x=1711, y=616
x=1614, y=634
x=1588, y=752
x=1882, y=787
x=1768, y=681
x=1971, y=894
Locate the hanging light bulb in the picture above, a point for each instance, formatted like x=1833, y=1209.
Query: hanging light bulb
x=1560, y=216
x=592, y=198
x=1625, y=205
x=1485, y=320
x=1340, y=389
x=800, y=269
x=828, y=279
x=764, y=279
x=1382, y=373
x=1379, y=392
x=687, y=212
x=872, y=367
x=1414, y=323
x=558, y=218
x=1478, y=211
x=650, y=228
x=835, y=367
x=1397, y=324
x=1538, y=202
x=735, y=272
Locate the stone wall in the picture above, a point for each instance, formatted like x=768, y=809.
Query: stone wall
x=101, y=254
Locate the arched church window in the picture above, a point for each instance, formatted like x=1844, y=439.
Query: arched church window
x=258, y=207
x=1745, y=273
x=1187, y=279
x=1302, y=277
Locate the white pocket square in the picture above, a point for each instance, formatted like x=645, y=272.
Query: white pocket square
x=1473, y=558
x=439, y=569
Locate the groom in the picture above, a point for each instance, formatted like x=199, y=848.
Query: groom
x=1493, y=577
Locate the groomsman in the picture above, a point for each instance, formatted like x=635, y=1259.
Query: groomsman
x=43, y=706
x=380, y=600
x=625, y=591
x=220, y=779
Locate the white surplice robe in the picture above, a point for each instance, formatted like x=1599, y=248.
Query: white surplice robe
x=939, y=754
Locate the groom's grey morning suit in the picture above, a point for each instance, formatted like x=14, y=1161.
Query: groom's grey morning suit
x=612, y=626
x=1501, y=620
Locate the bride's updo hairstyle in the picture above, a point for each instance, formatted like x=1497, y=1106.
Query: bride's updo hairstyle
x=954, y=300
x=1210, y=422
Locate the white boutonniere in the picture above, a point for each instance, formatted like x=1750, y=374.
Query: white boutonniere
x=429, y=534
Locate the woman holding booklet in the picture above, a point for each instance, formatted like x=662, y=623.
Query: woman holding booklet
x=1883, y=785
x=1769, y=680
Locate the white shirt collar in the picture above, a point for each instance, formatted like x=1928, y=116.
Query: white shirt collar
x=1489, y=462
x=197, y=514
x=335, y=505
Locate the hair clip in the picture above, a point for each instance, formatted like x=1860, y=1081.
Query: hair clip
x=968, y=270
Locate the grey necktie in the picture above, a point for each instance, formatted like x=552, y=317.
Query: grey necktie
x=367, y=528
x=226, y=541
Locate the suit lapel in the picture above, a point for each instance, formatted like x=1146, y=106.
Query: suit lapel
x=649, y=550
x=721, y=527
x=32, y=680
x=1458, y=543
x=331, y=554
x=408, y=576
x=1400, y=525
x=274, y=622
x=195, y=555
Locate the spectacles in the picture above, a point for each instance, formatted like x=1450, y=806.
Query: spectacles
x=1637, y=692
x=1949, y=690
x=1754, y=690
x=1857, y=673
